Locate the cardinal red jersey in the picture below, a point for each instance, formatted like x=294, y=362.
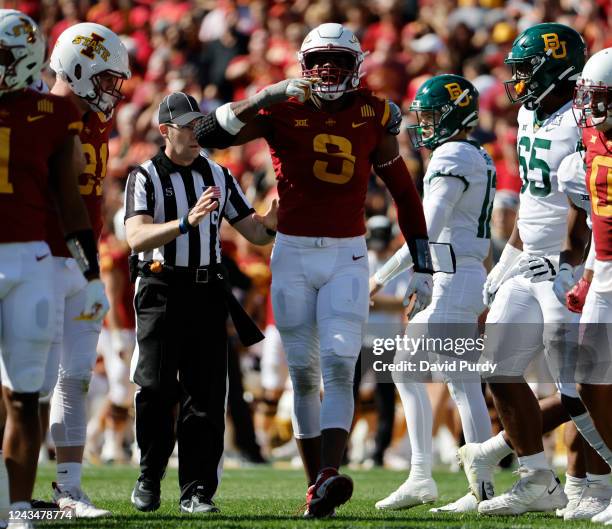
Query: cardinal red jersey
x=599, y=184
x=323, y=162
x=33, y=126
x=94, y=138
x=114, y=257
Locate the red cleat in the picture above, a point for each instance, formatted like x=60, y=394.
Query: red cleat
x=330, y=491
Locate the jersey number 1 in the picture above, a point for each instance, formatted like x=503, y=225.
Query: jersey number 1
x=5, y=149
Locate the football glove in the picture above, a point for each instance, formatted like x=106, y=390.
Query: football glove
x=421, y=287
x=503, y=270
x=577, y=295
x=563, y=282
x=301, y=89
x=537, y=269
x=96, y=304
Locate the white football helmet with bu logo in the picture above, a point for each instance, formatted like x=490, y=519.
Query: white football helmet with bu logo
x=331, y=54
x=22, y=50
x=593, y=94
x=82, y=54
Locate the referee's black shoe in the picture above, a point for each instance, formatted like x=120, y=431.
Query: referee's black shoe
x=146, y=494
x=198, y=502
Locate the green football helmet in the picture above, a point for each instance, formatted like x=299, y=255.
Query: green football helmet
x=444, y=106
x=543, y=57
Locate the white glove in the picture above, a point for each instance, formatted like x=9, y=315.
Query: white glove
x=564, y=282
x=538, y=269
x=499, y=273
x=301, y=89
x=96, y=304
x=421, y=286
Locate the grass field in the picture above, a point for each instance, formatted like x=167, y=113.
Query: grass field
x=265, y=498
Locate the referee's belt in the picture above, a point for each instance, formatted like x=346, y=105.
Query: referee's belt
x=247, y=330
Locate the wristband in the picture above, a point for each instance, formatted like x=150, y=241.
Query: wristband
x=82, y=247
x=184, y=225
x=270, y=232
x=421, y=257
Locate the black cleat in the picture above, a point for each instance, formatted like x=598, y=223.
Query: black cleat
x=146, y=494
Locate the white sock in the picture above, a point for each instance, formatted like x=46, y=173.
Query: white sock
x=4, y=490
x=495, y=448
x=69, y=476
x=473, y=410
x=419, y=420
x=601, y=480
x=534, y=462
x=584, y=424
x=573, y=485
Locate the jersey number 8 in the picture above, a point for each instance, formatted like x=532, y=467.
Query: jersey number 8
x=343, y=150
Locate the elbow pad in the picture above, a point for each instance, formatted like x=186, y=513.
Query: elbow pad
x=209, y=133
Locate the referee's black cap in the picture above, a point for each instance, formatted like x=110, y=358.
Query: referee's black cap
x=178, y=108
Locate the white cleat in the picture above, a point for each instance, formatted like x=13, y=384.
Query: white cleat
x=594, y=499
x=478, y=470
x=604, y=516
x=78, y=502
x=467, y=503
x=537, y=490
x=410, y=494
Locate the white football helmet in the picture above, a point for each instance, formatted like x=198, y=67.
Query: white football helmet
x=82, y=54
x=593, y=94
x=345, y=55
x=22, y=50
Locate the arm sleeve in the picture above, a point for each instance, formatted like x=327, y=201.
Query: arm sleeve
x=442, y=196
x=139, y=194
x=238, y=206
x=410, y=215
x=397, y=263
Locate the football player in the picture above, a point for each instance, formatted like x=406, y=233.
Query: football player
x=459, y=188
x=90, y=63
x=593, y=96
x=325, y=133
x=546, y=60
x=26, y=270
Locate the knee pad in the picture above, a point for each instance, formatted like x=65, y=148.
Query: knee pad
x=68, y=419
x=306, y=401
x=338, y=401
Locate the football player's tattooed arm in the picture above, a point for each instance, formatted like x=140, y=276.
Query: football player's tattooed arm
x=239, y=122
x=65, y=167
x=391, y=168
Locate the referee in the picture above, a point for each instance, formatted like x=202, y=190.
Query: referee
x=174, y=206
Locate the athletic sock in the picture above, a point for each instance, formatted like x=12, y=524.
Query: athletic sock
x=600, y=480
x=419, y=471
x=69, y=476
x=573, y=486
x=534, y=462
x=584, y=424
x=4, y=489
x=495, y=448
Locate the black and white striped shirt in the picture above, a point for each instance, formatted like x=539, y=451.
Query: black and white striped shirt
x=166, y=191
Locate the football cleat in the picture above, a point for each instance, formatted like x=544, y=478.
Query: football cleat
x=467, y=503
x=329, y=491
x=78, y=502
x=478, y=471
x=594, y=499
x=536, y=490
x=146, y=495
x=604, y=516
x=410, y=494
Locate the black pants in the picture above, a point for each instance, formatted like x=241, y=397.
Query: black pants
x=182, y=359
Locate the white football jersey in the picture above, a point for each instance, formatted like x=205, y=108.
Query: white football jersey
x=468, y=228
x=541, y=148
x=572, y=181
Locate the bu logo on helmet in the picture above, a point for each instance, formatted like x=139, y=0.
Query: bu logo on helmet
x=92, y=45
x=551, y=42
x=454, y=90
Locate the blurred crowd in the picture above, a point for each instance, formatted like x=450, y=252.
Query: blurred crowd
x=223, y=50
